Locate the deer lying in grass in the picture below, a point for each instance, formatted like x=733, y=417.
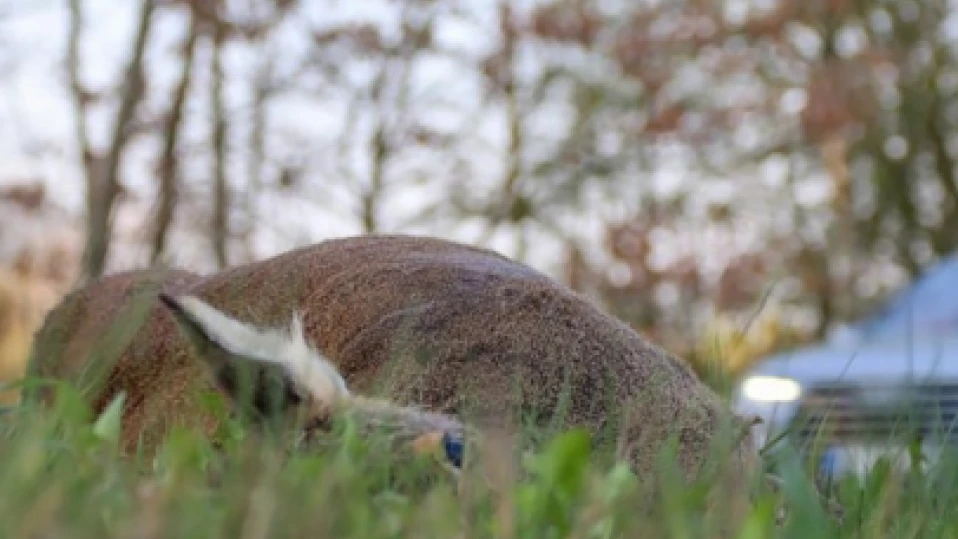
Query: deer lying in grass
x=455, y=330
x=307, y=380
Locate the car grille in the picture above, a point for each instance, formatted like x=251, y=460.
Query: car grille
x=856, y=413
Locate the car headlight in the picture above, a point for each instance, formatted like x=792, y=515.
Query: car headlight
x=770, y=389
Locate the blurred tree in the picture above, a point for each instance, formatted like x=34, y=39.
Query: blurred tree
x=168, y=170
x=851, y=100
x=698, y=161
x=102, y=168
x=220, y=230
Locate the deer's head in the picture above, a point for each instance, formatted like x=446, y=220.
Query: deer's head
x=271, y=372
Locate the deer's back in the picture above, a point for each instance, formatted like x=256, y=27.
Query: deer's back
x=465, y=330
x=111, y=336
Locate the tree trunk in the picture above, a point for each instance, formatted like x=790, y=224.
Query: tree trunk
x=168, y=170
x=220, y=232
x=79, y=93
x=103, y=184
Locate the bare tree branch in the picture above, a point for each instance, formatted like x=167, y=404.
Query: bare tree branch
x=506, y=73
x=257, y=142
x=370, y=198
x=79, y=93
x=373, y=195
x=168, y=159
x=104, y=185
x=398, y=62
x=221, y=203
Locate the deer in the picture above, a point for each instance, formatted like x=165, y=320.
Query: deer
x=439, y=334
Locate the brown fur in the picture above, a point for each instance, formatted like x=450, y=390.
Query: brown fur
x=452, y=328
x=153, y=369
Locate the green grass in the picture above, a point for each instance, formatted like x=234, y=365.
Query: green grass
x=62, y=476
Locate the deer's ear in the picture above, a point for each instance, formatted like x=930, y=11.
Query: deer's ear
x=233, y=354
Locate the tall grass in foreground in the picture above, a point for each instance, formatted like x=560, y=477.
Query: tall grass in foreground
x=61, y=476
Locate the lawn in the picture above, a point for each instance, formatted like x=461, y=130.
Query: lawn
x=62, y=476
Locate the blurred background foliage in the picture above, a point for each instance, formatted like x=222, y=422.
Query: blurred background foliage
x=729, y=177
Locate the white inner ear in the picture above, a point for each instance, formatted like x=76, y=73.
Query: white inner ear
x=302, y=363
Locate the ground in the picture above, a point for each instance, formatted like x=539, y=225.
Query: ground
x=62, y=476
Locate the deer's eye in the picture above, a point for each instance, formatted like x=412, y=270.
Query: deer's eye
x=452, y=445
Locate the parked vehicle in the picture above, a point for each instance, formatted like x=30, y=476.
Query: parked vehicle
x=887, y=386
